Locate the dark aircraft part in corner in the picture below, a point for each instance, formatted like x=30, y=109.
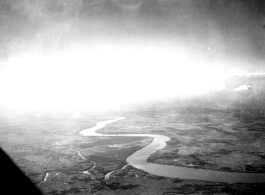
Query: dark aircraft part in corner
x=13, y=180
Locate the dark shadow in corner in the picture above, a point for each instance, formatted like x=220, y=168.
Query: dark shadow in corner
x=13, y=180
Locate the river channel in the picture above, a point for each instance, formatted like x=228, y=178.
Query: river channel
x=139, y=160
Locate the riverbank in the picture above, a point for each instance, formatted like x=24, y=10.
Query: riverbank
x=109, y=153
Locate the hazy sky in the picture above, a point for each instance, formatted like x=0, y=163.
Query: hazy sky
x=210, y=29
x=145, y=38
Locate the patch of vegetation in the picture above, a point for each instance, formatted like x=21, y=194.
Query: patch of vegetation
x=117, y=185
x=65, y=192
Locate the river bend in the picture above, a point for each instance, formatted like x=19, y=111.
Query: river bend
x=139, y=159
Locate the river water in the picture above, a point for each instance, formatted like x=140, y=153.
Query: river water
x=139, y=160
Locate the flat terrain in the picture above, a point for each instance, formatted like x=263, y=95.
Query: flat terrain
x=223, y=136
x=215, y=140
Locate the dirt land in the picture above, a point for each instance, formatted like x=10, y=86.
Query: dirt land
x=202, y=137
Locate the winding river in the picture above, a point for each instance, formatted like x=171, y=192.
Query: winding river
x=139, y=159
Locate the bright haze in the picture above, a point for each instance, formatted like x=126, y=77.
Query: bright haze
x=102, y=54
